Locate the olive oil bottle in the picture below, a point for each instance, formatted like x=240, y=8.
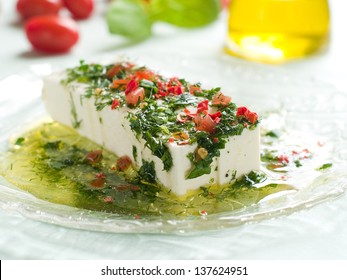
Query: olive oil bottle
x=275, y=31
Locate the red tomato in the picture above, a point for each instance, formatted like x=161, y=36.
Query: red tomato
x=51, y=33
x=80, y=9
x=30, y=8
x=135, y=96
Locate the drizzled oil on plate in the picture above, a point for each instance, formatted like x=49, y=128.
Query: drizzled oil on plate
x=302, y=128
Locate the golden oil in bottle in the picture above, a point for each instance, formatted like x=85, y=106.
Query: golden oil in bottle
x=275, y=31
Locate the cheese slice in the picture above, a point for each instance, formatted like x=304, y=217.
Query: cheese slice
x=111, y=129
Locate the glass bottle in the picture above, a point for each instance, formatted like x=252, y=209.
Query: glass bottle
x=275, y=31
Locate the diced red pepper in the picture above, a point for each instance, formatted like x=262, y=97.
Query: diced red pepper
x=203, y=106
x=123, y=163
x=145, y=74
x=98, y=183
x=252, y=117
x=204, y=123
x=120, y=83
x=176, y=90
x=174, y=81
x=134, y=188
x=220, y=99
x=108, y=199
x=193, y=89
x=100, y=175
x=117, y=68
x=122, y=188
x=182, y=118
x=135, y=96
x=94, y=156
x=241, y=111
x=115, y=103
x=216, y=116
x=131, y=86
x=283, y=158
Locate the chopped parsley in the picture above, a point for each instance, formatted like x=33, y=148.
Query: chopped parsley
x=165, y=110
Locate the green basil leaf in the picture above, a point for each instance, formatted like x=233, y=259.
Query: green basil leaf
x=184, y=13
x=129, y=18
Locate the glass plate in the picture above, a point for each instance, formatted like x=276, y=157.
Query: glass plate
x=307, y=105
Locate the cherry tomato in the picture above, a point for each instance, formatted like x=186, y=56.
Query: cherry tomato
x=51, y=33
x=80, y=9
x=30, y=8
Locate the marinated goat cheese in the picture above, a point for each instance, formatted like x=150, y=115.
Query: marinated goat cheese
x=189, y=136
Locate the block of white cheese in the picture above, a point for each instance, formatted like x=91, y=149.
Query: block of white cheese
x=111, y=129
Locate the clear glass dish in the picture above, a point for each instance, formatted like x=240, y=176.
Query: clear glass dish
x=307, y=105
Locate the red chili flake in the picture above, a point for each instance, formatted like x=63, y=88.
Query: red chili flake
x=98, y=183
x=295, y=152
x=171, y=140
x=108, y=199
x=284, y=178
x=122, y=188
x=120, y=83
x=182, y=118
x=186, y=111
x=174, y=81
x=176, y=90
x=189, y=114
x=204, y=123
x=117, y=68
x=115, y=103
x=132, y=85
x=241, y=111
x=203, y=213
x=283, y=158
x=245, y=125
x=203, y=106
x=193, y=89
x=123, y=163
x=320, y=144
x=137, y=217
x=252, y=117
x=216, y=117
x=221, y=99
x=134, y=188
x=94, y=156
x=215, y=140
x=306, y=151
x=100, y=175
x=144, y=74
